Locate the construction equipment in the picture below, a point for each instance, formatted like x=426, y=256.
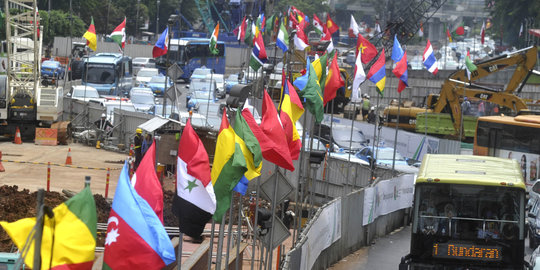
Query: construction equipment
x=458, y=86
x=24, y=103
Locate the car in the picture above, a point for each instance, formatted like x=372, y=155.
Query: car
x=52, y=69
x=231, y=81
x=341, y=136
x=157, y=84
x=318, y=145
x=145, y=75
x=384, y=157
x=213, y=113
x=195, y=98
x=202, y=85
x=534, y=261
x=85, y=93
x=200, y=73
x=142, y=99
x=220, y=84
x=143, y=62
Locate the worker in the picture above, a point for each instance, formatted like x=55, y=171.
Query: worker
x=365, y=106
x=104, y=127
x=137, y=141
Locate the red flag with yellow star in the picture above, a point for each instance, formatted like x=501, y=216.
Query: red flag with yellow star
x=367, y=49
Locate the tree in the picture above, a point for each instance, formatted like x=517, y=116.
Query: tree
x=59, y=24
x=508, y=15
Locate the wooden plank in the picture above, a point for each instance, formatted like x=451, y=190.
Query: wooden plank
x=199, y=259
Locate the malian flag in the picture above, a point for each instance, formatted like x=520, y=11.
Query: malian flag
x=119, y=34
x=146, y=182
x=161, y=45
x=195, y=202
x=136, y=239
x=69, y=236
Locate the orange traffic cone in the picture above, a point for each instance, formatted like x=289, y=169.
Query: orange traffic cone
x=68, y=158
x=1, y=166
x=18, y=139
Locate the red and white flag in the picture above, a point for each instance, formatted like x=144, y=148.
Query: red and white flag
x=353, y=28
x=483, y=32
x=300, y=39
x=359, y=77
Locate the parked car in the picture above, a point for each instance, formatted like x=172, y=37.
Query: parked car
x=157, y=84
x=213, y=113
x=142, y=99
x=384, y=156
x=195, y=98
x=231, y=81
x=200, y=73
x=145, y=75
x=85, y=93
x=143, y=62
x=220, y=84
x=52, y=69
x=341, y=136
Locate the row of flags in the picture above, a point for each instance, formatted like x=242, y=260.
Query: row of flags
x=118, y=35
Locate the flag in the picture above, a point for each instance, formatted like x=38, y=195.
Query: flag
x=354, y=30
x=430, y=62
x=333, y=81
x=460, y=30
x=289, y=115
x=318, y=24
x=228, y=167
x=252, y=153
x=69, y=237
x=483, y=32
x=269, y=25
x=377, y=73
x=319, y=65
x=521, y=30
x=195, y=201
x=293, y=21
x=213, y=41
x=283, y=38
x=276, y=153
x=367, y=49
x=377, y=28
x=119, y=34
x=328, y=37
x=469, y=65
x=146, y=182
x=359, y=77
x=448, y=35
x=136, y=239
x=331, y=25
x=162, y=44
x=248, y=37
x=242, y=30
x=313, y=96
x=260, y=22
x=296, y=16
x=258, y=54
x=400, y=70
x=90, y=36
x=421, y=30
x=301, y=81
x=300, y=40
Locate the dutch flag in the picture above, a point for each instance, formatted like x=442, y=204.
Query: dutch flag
x=430, y=62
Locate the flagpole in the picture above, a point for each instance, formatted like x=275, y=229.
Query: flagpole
x=167, y=66
x=219, y=254
x=350, y=146
x=229, y=233
x=270, y=244
x=375, y=127
x=239, y=232
x=395, y=136
x=211, y=244
x=179, y=260
x=255, y=225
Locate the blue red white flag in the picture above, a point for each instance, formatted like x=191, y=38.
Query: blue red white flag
x=161, y=45
x=400, y=58
x=430, y=62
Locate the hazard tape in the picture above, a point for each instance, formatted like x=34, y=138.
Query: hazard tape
x=60, y=165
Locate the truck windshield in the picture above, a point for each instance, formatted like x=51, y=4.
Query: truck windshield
x=100, y=73
x=88, y=93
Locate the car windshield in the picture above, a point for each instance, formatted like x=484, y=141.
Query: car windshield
x=201, y=85
x=147, y=72
x=342, y=137
x=142, y=98
x=81, y=93
x=100, y=74
x=387, y=154
x=140, y=60
x=213, y=117
x=158, y=79
x=203, y=95
x=201, y=72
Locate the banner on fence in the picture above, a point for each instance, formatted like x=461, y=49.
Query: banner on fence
x=325, y=230
x=388, y=196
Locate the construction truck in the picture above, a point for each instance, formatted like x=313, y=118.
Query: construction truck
x=443, y=114
x=24, y=103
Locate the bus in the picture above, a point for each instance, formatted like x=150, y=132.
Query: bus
x=468, y=213
x=511, y=137
x=109, y=73
x=192, y=53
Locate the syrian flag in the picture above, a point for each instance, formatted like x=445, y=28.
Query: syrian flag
x=195, y=202
x=318, y=24
x=483, y=32
x=119, y=34
x=353, y=28
x=213, y=41
x=146, y=182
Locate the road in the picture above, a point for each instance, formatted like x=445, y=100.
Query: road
x=386, y=253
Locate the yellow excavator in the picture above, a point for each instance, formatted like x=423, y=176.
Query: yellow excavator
x=443, y=113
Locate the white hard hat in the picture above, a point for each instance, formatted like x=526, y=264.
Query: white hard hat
x=103, y=115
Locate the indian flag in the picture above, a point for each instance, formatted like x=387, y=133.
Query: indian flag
x=69, y=236
x=213, y=40
x=90, y=36
x=119, y=34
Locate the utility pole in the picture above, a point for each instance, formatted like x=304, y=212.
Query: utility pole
x=157, y=20
x=137, y=20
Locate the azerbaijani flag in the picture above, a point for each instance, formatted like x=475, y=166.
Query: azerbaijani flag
x=228, y=167
x=136, y=239
x=69, y=238
x=213, y=40
x=146, y=182
x=377, y=73
x=90, y=36
x=119, y=34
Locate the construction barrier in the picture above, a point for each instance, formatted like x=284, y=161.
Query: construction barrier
x=57, y=164
x=46, y=136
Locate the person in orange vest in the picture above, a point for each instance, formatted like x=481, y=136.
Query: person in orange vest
x=137, y=141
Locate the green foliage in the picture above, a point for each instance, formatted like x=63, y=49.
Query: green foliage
x=59, y=24
x=508, y=15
